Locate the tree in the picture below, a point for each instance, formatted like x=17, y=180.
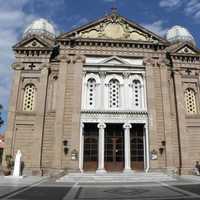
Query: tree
x=1, y=120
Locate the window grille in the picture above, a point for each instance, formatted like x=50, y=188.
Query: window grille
x=137, y=94
x=29, y=98
x=190, y=101
x=91, y=92
x=114, y=95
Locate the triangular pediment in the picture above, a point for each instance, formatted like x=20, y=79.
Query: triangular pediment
x=187, y=50
x=114, y=60
x=32, y=42
x=114, y=27
x=184, y=48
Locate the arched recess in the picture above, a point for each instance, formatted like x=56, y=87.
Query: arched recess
x=190, y=101
x=29, y=98
x=114, y=91
x=137, y=91
x=90, y=92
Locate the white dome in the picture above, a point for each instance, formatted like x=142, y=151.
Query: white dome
x=40, y=27
x=179, y=34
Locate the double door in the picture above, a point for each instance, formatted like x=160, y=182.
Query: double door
x=114, y=149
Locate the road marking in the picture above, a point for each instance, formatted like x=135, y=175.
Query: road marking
x=24, y=189
x=191, y=194
x=72, y=193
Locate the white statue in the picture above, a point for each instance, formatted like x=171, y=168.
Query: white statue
x=17, y=166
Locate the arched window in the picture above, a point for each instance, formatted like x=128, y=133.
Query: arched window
x=29, y=97
x=114, y=93
x=190, y=101
x=136, y=94
x=91, y=94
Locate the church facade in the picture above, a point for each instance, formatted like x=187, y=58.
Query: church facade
x=108, y=96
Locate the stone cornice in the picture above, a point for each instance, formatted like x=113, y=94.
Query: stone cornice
x=111, y=43
x=142, y=112
x=17, y=66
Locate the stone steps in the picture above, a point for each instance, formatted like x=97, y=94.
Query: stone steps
x=115, y=177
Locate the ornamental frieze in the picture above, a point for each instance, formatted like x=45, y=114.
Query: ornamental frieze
x=114, y=116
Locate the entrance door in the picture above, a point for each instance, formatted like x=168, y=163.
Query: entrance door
x=137, y=147
x=90, y=147
x=114, y=148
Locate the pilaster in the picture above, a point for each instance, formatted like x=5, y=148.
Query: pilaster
x=59, y=121
x=181, y=123
x=151, y=106
x=77, y=65
x=168, y=147
x=9, y=136
x=40, y=117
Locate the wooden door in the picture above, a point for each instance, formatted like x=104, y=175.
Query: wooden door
x=114, y=153
x=137, y=149
x=90, y=153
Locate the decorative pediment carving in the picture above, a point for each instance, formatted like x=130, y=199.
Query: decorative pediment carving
x=115, y=28
x=186, y=50
x=34, y=43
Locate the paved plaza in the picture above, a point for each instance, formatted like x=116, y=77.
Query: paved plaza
x=36, y=188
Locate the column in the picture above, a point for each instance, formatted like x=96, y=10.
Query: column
x=81, y=150
x=146, y=149
x=101, y=127
x=127, y=147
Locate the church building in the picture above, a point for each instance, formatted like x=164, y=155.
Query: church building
x=109, y=96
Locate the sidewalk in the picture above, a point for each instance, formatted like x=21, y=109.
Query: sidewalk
x=9, y=185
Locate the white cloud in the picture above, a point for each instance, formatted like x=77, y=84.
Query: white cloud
x=193, y=8
x=169, y=3
x=190, y=8
x=156, y=27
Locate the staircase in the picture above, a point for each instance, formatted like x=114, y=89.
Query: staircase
x=115, y=177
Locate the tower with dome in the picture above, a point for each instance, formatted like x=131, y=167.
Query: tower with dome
x=109, y=96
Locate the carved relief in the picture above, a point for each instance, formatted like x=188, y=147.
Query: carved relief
x=114, y=27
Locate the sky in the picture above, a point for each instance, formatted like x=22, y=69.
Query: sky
x=15, y=15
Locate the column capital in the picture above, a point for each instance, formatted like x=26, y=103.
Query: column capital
x=101, y=125
x=64, y=58
x=127, y=126
x=78, y=58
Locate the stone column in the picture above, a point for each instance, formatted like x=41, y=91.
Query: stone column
x=81, y=150
x=127, y=147
x=146, y=141
x=101, y=127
